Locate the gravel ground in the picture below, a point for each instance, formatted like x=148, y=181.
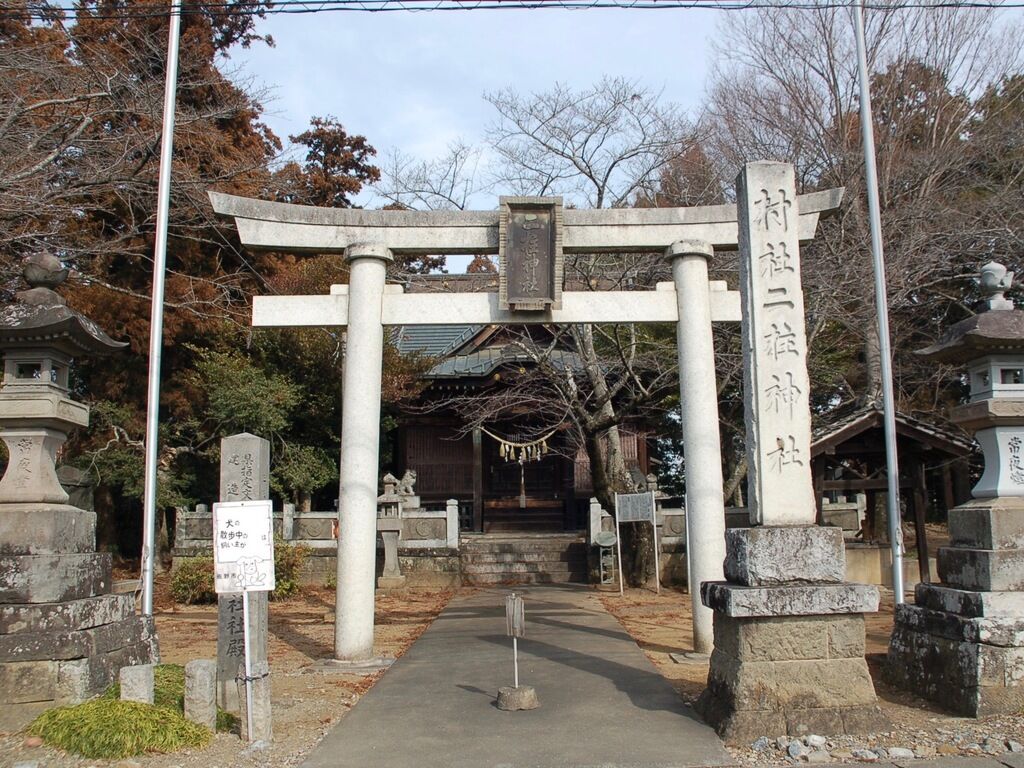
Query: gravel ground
x=661, y=625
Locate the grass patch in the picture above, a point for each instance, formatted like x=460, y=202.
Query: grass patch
x=110, y=729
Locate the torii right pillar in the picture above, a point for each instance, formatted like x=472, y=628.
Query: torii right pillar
x=962, y=643
x=789, y=629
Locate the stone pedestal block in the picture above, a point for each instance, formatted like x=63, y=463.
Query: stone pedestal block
x=772, y=556
x=516, y=699
x=969, y=603
x=63, y=638
x=988, y=524
x=46, y=529
x=974, y=666
x=962, y=643
x=789, y=639
x=390, y=583
x=983, y=570
x=53, y=578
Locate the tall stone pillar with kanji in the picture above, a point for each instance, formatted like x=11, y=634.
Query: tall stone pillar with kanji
x=788, y=627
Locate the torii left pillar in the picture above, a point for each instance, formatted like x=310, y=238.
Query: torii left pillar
x=360, y=444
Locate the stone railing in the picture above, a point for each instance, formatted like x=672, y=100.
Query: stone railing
x=421, y=529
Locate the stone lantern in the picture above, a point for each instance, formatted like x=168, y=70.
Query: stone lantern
x=63, y=636
x=962, y=643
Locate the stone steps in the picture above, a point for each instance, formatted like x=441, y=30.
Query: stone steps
x=523, y=560
x=473, y=558
x=487, y=579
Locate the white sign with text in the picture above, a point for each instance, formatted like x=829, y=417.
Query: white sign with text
x=243, y=547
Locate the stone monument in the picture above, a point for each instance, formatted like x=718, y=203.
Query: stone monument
x=789, y=630
x=63, y=636
x=962, y=643
x=244, y=476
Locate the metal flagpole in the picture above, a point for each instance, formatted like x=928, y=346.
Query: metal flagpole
x=881, y=306
x=156, y=321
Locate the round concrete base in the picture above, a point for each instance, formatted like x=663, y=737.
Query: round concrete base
x=512, y=699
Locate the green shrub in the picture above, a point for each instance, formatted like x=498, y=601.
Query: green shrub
x=108, y=728
x=192, y=582
x=288, y=562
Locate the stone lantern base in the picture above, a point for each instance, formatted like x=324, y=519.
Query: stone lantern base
x=789, y=639
x=962, y=643
x=63, y=636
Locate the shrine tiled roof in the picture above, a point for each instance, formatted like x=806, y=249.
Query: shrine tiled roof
x=485, y=361
x=434, y=340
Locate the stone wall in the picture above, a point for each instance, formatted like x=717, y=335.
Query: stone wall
x=428, y=545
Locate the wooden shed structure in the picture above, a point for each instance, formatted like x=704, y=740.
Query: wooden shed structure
x=848, y=457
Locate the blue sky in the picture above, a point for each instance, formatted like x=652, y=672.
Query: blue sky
x=414, y=81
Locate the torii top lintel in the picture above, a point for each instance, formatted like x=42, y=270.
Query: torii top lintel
x=301, y=228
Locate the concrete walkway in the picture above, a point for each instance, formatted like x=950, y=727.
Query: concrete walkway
x=602, y=702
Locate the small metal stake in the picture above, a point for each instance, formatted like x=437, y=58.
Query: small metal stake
x=515, y=660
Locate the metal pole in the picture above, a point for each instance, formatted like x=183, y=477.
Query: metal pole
x=248, y=665
x=156, y=317
x=515, y=659
x=618, y=544
x=881, y=306
x=654, y=527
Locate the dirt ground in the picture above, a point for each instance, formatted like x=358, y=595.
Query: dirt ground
x=662, y=625
x=305, y=703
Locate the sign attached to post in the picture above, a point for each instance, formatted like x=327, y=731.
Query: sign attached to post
x=637, y=508
x=243, y=547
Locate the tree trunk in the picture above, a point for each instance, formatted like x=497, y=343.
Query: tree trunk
x=734, y=485
x=872, y=367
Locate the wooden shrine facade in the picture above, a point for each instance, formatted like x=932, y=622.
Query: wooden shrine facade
x=549, y=492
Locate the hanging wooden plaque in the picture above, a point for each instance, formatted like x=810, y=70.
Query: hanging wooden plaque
x=530, y=253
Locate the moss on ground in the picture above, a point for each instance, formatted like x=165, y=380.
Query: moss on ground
x=109, y=728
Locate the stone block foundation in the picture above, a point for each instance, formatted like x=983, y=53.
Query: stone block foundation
x=63, y=636
x=962, y=642
x=789, y=658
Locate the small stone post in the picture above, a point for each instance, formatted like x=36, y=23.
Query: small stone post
x=962, y=643
x=244, y=476
x=201, y=692
x=137, y=683
x=452, y=523
x=288, y=521
x=788, y=628
x=262, y=730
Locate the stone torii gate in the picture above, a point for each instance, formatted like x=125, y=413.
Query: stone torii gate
x=530, y=236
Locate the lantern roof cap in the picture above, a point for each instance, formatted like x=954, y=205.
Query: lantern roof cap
x=40, y=317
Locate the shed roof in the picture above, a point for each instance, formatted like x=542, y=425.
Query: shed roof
x=828, y=437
